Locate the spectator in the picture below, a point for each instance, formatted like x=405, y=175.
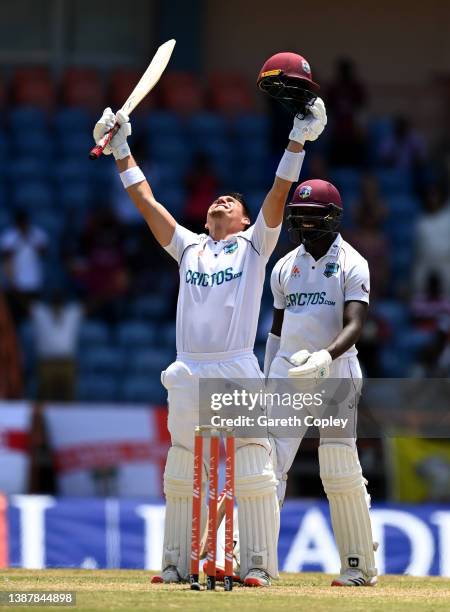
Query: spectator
x=368, y=236
x=202, y=186
x=428, y=307
x=101, y=269
x=22, y=247
x=404, y=149
x=56, y=328
x=432, y=244
x=10, y=366
x=346, y=102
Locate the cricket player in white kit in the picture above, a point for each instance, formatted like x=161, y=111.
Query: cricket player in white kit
x=321, y=295
x=221, y=281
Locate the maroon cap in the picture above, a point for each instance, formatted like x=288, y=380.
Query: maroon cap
x=316, y=193
x=291, y=65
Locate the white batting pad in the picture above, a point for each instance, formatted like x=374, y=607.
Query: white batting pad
x=258, y=510
x=345, y=487
x=178, y=484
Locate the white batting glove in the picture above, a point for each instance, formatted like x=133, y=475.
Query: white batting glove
x=316, y=365
x=311, y=127
x=118, y=145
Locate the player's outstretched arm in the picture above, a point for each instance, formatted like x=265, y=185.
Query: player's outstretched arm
x=288, y=171
x=160, y=221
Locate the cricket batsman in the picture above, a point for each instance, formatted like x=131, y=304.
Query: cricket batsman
x=221, y=281
x=321, y=297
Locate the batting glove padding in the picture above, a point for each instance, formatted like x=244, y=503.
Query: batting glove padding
x=311, y=127
x=118, y=145
x=316, y=365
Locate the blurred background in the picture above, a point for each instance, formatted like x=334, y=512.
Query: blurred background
x=87, y=298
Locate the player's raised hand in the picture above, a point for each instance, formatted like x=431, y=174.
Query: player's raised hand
x=121, y=125
x=317, y=365
x=311, y=126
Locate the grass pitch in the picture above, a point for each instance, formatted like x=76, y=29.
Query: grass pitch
x=131, y=590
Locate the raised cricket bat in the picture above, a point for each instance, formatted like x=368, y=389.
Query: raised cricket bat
x=146, y=83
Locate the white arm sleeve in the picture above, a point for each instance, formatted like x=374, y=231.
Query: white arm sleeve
x=272, y=346
x=275, y=284
x=357, y=283
x=181, y=239
x=262, y=237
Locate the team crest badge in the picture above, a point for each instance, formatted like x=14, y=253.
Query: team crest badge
x=231, y=247
x=305, y=192
x=306, y=67
x=331, y=269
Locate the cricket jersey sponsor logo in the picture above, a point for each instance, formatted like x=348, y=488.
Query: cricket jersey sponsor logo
x=203, y=279
x=308, y=299
x=231, y=247
x=331, y=268
x=295, y=272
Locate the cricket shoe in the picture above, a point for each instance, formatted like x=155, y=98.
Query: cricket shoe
x=169, y=575
x=257, y=578
x=354, y=578
x=220, y=573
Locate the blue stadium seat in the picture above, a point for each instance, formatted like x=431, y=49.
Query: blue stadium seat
x=33, y=143
x=135, y=333
x=27, y=119
x=4, y=147
x=93, y=333
x=167, y=335
x=347, y=180
x=252, y=126
x=98, y=388
x=77, y=145
x=393, y=181
x=102, y=360
x=26, y=168
x=204, y=126
x=150, y=361
x=46, y=219
x=252, y=175
x=148, y=307
x=379, y=129
x=70, y=121
x=173, y=198
x=255, y=199
x=75, y=195
x=5, y=215
x=32, y=194
x=395, y=313
x=163, y=124
x=143, y=388
x=403, y=205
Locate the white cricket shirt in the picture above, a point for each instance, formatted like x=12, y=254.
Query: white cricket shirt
x=313, y=293
x=221, y=283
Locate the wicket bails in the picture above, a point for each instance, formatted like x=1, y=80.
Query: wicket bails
x=213, y=498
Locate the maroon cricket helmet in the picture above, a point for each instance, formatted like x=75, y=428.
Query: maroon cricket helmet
x=287, y=77
x=315, y=210
x=290, y=65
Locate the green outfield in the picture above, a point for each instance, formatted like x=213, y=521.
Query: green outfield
x=131, y=590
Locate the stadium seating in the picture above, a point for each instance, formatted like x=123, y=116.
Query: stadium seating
x=135, y=333
x=98, y=388
x=143, y=388
x=93, y=333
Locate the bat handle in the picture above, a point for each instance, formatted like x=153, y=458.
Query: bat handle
x=96, y=151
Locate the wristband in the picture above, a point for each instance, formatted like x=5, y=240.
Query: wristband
x=132, y=176
x=290, y=166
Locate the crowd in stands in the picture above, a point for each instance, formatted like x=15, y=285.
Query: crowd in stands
x=92, y=297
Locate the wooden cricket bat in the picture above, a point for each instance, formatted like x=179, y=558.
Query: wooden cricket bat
x=146, y=83
x=220, y=516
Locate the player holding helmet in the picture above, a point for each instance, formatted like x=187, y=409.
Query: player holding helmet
x=221, y=281
x=321, y=296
